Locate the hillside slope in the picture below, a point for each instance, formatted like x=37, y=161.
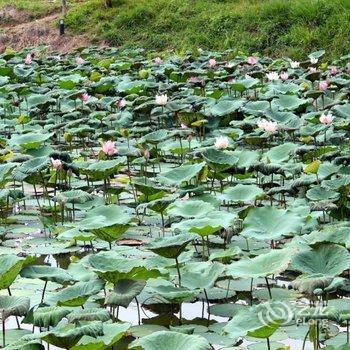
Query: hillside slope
x=274, y=27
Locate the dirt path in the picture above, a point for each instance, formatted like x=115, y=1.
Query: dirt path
x=43, y=31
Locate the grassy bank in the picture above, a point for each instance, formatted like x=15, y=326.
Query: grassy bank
x=274, y=27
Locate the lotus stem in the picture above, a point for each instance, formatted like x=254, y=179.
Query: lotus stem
x=251, y=292
x=3, y=331
x=43, y=293
x=178, y=270
x=138, y=311
x=163, y=224
x=304, y=342
x=203, y=248
x=10, y=294
x=268, y=344
x=268, y=287
x=208, y=304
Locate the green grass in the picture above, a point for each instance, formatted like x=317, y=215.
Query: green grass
x=33, y=8
x=274, y=27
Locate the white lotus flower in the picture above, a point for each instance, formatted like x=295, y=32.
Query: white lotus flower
x=222, y=142
x=161, y=100
x=272, y=76
x=294, y=64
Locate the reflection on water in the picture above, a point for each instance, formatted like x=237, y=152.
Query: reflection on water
x=189, y=311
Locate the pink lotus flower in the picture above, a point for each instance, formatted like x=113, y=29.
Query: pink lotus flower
x=334, y=70
x=212, y=62
x=252, y=60
x=221, y=142
x=161, y=100
x=121, y=103
x=109, y=148
x=56, y=163
x=184, y=126
x=158, y=61
x=28, y=59
x=79, y=60
x=323, y=85
x=312, y=69
x=326, y=118
x=267, y=125
x=146, y=153
x=284, y=76
x=84, y=97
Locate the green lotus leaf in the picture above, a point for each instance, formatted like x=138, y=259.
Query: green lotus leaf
x=49, y=316
x=259, y=321
x=73, y=196
x=68, y=335
x=13, y=306
x=317, y=193
x=269, y=223
x=91, y=314
x=208, y=225
x=308, y=284
x=225, y=107
x=342, y=110
x=76, y=234
x=102, y=169
x=181, y=174
x=219, y=160
x=190, y=209
x=113, y=267
x=23, y=340
x=281, y=153
x=146, y=186
x=170, y=247
x=242, y=193
x=326, y=259
x=170, y=292
x=242, y=85
x=5, y=171
x=47, y=273
x=35, y=100
x=256, y=108
x=226, y=255
x=29, y=170
x=124, y=292
x=30, y=140
x=155, y=136
x=201, y=275
x=332, y=234
x=77, y=294
x=112, y=333
x=263, y=265
x=107, y=222
x=290, y=103
x=10, y=266
x=165, y=340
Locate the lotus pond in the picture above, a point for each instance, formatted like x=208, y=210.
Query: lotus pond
x=152, y=203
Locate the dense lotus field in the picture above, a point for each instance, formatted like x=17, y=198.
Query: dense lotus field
x=195, y=202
